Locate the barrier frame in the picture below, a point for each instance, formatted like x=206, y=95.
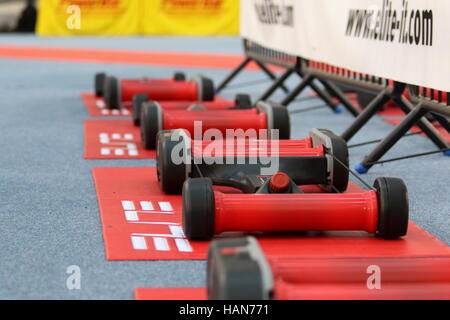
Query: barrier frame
x=424, y=105
x=262, y=56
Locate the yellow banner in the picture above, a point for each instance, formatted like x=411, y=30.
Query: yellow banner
x=133, y=17
x=191, y=17
x=89, y=17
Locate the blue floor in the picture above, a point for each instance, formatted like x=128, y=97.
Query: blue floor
x=49, y=216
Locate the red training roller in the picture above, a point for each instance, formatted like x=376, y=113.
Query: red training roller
x=241, y=101
x=240, y=163
x=239, y=270
x=265, y=116
x=116, y=91
x=206, y=212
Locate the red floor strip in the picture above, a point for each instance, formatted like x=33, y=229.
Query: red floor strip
x=170, y=59
x=141, y=223
x=113, y=139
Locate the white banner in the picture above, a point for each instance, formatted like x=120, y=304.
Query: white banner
x=402, y=40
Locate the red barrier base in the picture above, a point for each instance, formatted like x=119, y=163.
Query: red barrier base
x=170, y=293
x=96, y=107
x=113, y=139
x=141, y=223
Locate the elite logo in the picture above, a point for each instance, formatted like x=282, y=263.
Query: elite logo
x=118, y=144
x=171, y=238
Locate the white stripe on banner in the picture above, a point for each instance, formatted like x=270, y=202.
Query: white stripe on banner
x=139, y=243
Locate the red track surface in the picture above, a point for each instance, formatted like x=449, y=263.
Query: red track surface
x=171, y=59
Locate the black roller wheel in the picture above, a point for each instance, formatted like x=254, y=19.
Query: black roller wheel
x=171, y=168
x=233, y=275
x=277, y=118
x=111, y=93
x=138, y=100
x=340, y=160
x=179, y=76
x=151, y=119
x=243, y=101
x=393, y=207
x=205, y=88
x=99, y=83
x=198, y=209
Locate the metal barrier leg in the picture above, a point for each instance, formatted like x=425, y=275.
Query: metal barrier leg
x=380, y=100
x=271, y=75
x=442, y=121
x=426, y=126
x=331, y=87
x=294, y=93
x=276, y=85
x=233, y=74
x=399, y=131
x=324, y=96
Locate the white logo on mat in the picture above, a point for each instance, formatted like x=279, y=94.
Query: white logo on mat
x=118, y=144
x=173, y=239
x=100, y=103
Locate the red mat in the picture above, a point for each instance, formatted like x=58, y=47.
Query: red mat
x=321, y=291
x=141, y=223
x=441, y=130
x=113, y=139
x=170, y=293
x=96, y=107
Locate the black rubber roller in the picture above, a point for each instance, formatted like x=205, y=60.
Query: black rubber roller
x=393, y=207
x=111, y=93
x=138, y=100
x=243, y=101
x=198, y=209
x=277, y=118
x=151, y=124
x=234, y=275
x=340, y=166
x=282, y=122
x=205, y=88
x=171, y=172
x=179, y=76
x=99, y=83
